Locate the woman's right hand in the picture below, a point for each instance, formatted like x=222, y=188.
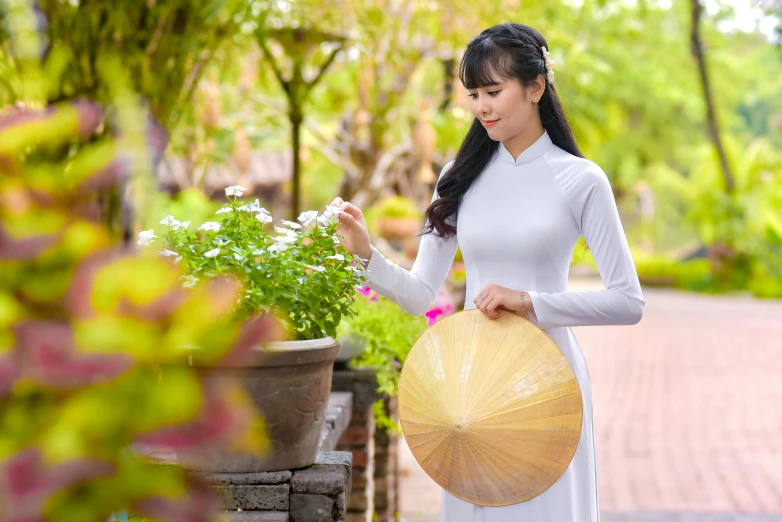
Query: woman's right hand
x=353, y=229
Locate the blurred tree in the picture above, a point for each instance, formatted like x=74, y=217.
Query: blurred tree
x=164, y=45
x=773, y=8
x=298, y=45
x=696, y=47
x=392, y=43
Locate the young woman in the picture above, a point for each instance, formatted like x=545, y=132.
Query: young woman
x=516, y=199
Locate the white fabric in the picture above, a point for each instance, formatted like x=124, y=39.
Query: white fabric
x=517, y=227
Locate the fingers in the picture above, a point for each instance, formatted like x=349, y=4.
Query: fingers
x=482, y=300
x=352, y=210
x=488, y=301
x=347, y=220
x=491, y=307
x=347, y=208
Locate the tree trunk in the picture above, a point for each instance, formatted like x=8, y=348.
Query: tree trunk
x=448, y=66
x=696, y=47
x=296, y=120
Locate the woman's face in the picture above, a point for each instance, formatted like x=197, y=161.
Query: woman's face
x=503, y=108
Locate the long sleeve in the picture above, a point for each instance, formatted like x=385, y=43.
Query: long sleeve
x=621, y=303
x=414, y=290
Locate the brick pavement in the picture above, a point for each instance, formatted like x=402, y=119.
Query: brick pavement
x=688, y=414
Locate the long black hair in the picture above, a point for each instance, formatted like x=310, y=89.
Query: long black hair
x=510, y=51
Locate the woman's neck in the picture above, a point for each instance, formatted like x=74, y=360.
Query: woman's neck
x=524, y=140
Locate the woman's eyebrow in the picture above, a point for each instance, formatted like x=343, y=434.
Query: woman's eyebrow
x=491, y=84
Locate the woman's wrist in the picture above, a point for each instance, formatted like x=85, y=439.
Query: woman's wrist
x=527, y=310
x=366, y=256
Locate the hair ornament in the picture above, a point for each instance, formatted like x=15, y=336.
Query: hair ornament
x=549, y=65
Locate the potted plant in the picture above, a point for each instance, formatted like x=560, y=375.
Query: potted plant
x=396, y=218
x=297, y=271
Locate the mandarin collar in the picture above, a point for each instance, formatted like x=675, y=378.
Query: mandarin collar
x=533, y=152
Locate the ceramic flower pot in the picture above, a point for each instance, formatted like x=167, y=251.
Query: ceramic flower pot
x=289, y=384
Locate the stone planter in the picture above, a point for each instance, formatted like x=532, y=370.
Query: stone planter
x=352, y=346
x=290, y=386
x=398, y=228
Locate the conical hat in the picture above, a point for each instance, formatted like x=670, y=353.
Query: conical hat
x=490, y=408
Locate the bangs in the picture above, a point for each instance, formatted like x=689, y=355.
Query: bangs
x=484, y=65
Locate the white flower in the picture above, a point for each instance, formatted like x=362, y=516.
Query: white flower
x=178, y=259
x=210, y=226
x=238, y=257
x=278, y=247
x=170, y=221
x=188, y=281
x=263, y=218
x=300, y=280
x=332, y=211
x=338, y=257
x=224, y=210
x=145, y=237
x=255, y=206
x=235, y=190
x=285, y=240
x=349, y=268
x=212, y=253
x=286, y=232
x=308, y=217
x=316, y=268
x=174, y=224
x=336, y=240
x=330, y=216
x=291, y=224
x=167, y=253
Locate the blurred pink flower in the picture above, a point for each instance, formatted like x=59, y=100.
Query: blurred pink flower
x=432, y=314
x=365, y=290
x=443, y=306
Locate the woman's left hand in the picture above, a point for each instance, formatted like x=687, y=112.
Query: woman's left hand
x=495, y=297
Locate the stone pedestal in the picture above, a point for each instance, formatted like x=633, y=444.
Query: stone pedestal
x=375, y=464
x=317, y=493
x=386, y=473
x=359, y=440
x=313, y=494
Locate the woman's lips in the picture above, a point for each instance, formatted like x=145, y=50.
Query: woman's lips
x=489, y=123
